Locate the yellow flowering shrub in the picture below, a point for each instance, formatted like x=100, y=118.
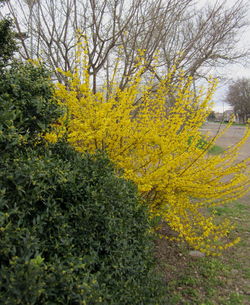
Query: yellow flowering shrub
x=158, y=148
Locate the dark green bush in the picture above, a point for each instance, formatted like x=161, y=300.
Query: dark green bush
x=71, y=232
x=27, y=107
x=7, y=42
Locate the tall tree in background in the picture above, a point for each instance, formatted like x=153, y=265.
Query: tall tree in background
x=238, y=96
x=7, y=43
x=195, y=39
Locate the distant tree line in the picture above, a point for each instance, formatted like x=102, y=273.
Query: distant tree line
x=238, y=96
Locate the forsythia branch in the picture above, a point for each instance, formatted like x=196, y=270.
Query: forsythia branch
x=158, y=149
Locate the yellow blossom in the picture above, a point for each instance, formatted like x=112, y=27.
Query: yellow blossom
x=157, y=146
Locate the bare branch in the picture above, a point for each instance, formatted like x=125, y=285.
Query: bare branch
x=192, y=38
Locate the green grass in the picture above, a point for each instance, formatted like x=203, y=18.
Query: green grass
x=215, y=150
x=223, y=280
x=197, y=282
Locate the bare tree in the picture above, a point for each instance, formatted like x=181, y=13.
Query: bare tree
x=193, y=39
x=238, y=96
x=207, y=37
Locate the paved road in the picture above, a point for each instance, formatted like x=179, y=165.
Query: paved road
x=231, y=136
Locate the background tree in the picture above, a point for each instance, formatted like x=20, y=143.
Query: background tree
x=211, y=116
x=238, y=96
x=7, y=42
x=195, y=39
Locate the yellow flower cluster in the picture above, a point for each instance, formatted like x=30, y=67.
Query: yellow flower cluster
x=157, y=146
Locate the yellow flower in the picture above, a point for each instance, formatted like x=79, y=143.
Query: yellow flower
x=157, y=147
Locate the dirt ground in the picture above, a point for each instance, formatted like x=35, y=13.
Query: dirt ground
x=231, y=137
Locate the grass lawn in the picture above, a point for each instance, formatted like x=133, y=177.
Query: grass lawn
x=215, y=150
x=223, y=280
